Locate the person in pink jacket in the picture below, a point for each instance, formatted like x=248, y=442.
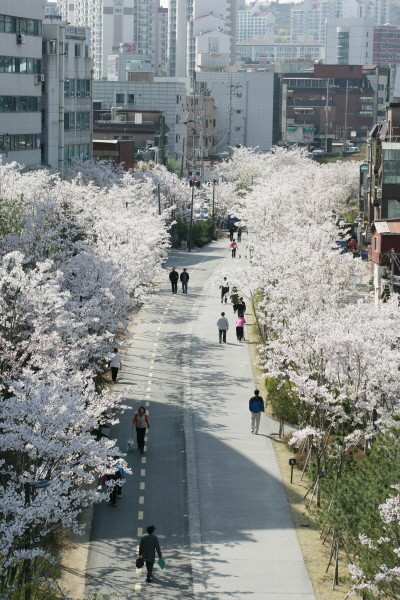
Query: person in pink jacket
x=233, y=246
x=240, y=322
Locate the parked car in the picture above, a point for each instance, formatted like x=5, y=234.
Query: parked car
x=318, y=152
x=353, y=149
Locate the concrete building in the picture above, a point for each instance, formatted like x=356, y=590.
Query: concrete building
x=386, y=45
x=254, y=23
x=247, y=108
x=186, y=33
x=67, y=94
x=349, y=41
x=201, y=126
x=333, y=102
x=380, y=79
x=111, y=24
x=161, y=94
x=21, y=80
x=274, y=53
x=308, y=19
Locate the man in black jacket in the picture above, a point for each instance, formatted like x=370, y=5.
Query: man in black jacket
x=173, y=277
x=184, y=277
x=148, y=546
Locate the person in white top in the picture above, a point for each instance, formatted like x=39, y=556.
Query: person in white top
x=223, y=326
x=115, y=364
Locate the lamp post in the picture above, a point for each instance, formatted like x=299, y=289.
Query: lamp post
x=191, y=221
x=213, y=210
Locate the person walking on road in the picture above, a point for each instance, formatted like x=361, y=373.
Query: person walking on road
x=233, y=246
x=184, y=277
x=173, y=277
x=224, y=287
x=141, y=422
x=234, y=298
x=241, y=307
x=240, y=322
x=223, y=326
x=231, y=233
x=256, y=407
x=115, y=364
x=148, y=547
x=239, y=234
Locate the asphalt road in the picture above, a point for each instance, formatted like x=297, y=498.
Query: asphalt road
x=211, y=487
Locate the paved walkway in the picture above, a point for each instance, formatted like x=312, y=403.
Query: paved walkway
x=212, y=488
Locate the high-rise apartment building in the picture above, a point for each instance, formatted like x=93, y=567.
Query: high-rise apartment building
x=253, y=21
x=309, y=18
x=199, y=27
x=111, y=24
x=21, y=81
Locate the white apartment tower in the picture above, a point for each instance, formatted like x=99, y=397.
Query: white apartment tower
x=198, y=24
x=309, y=18
x=111, y=23
x=253, y=22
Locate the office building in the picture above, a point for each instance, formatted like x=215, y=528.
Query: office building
x=67, y=94
x=21, y=80
x=349, y=41
x=247, y=108
x=159, y=94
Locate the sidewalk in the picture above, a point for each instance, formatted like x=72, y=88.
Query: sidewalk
x=243, y=539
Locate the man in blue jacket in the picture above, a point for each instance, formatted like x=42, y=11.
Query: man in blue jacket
x=256, y=407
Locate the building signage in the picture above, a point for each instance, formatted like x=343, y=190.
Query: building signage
x=125, y=47
x=118, y=7
x=75, y=33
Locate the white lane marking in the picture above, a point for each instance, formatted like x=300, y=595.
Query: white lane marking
x=145, y=448
x=142, y=485
x=158, y=328
x=147, y=396
x=141, y=499
x=143, y=461
x=150, y=375
x=138, y=586
x=147, y=403
x=142, y=472
x=139, y=532
x=148, y=389
x=140, y=515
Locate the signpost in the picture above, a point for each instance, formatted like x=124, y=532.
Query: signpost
x=292, y=462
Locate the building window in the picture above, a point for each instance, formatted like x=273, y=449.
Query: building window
x=82, y=121
x=376, y=244
x=22, y=141
x=69, y=121
x=69, y=88
x=120, y=98
x=11, y=64
x=77, y=50
x=131, y=98
x=19, y=25
x=391, y=166
x=20, y=104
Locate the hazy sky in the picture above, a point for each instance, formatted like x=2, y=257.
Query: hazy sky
x=165, y=2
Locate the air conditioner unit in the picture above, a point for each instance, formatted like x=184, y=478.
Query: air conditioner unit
x=78, y=94
x=72, y=127
x=87, y=94
x=41, y=78
x=78, y=127
x=379, y=193
x=20, y=38
x=72, y=94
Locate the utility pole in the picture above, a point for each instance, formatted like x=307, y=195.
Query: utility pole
x=191, y=221
x=327, y=115
x=213, y=210
x=344, y=147
x=159, y=198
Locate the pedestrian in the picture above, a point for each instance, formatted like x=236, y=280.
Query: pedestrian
x=224, y=287
x=231, y=232
x=148, y=546
x=240, y=322
x=141, y=422
x=115, y=364
x=116, y=481
x=239, y=233
x=234, y=298
x=241, y=307
x=184, y=277
x=173, y=277
x=233, y=246
x=223, y=326
x=256, y=407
